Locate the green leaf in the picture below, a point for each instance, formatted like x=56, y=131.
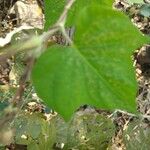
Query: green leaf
x=97, y=70
x=80, y=5
x=53, y=9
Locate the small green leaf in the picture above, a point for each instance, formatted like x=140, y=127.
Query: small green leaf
x=97, y=70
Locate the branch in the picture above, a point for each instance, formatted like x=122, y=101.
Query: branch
x=62, y=19
x=11, y=111
x=58, y=26
x=16, y=100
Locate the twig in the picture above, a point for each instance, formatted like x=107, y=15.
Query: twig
x=16, y=101
x=62, y=19
x=59, y=25
x=11, y=111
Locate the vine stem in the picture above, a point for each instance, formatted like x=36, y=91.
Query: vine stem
x=12, y=110
x=60, y=24
x=16, y=101
x=62, y=19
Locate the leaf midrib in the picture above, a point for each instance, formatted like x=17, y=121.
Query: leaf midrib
x=95, y=70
